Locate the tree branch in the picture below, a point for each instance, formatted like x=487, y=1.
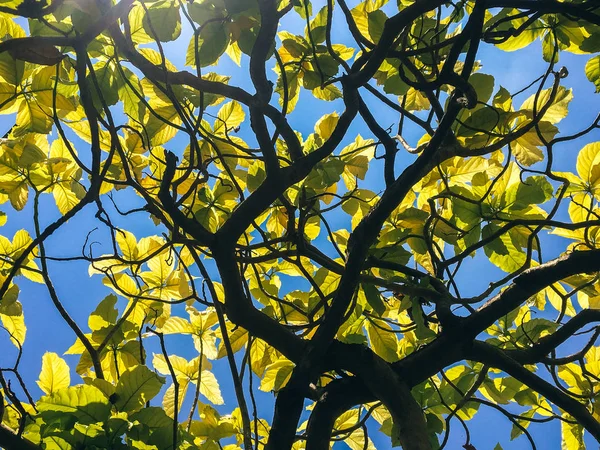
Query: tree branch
x=9, y=440
x=495, y=357
x=529, y=283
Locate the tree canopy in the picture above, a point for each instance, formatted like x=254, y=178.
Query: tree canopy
x=330, y=285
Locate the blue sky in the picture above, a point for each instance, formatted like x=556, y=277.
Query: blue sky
x=80, y=293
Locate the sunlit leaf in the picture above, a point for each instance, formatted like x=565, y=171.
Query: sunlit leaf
x=54, y=375
x=135, y=387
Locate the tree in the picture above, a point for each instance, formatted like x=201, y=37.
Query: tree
x=332, y=269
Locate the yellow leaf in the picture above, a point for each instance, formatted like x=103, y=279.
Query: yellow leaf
x=588, y=163
x=206, y=343
x=234, y=52
x=572, y=435
x=592, y=71
x=77, y=348
x=177, y=325
x=527, y=147
x=523, y=39
x=261, y=355
x=122, y=284
x=64, y=197
x=559, y=107
x=383, y=340
x=229, y=116
x=58, y=149
x=356, y=441
x=18, y=193
x=416, y=100
x=237, y=339
x=82, y=129
x=277, y=375
x=20, y=242
x=572, y=375
x=15, y=326
x=347, y=420
x=169, y=397
x=128, y=244
x=105, y=314
x=557, y=302
x=202, y=320
x=209, y=387
x=179, y=365
x=54, y=375
x=162, y=265
x=326, y=124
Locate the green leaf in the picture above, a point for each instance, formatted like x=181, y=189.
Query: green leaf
x=481, y=120
x=422, y=331
x=153, y=417
x=483, y=85
x=395, y=85
x=108, y=82
x=9, y=304
x=136, y=387
x=375, y=23
x=534, y=190
x=130, y=91
x=373, y=298
x=238, y=6
x=84, y=402
x=503, y=251
x=162, y=21
x=207, y=48
x=318, y=26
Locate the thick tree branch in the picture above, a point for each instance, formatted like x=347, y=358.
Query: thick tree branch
x=263, y=45
x=552, y=7
x=494, y=357
x=339, y=396
x=529, y=283
x=9, y=440
x=537, y=352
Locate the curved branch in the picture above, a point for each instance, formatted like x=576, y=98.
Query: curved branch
x=497, y=358
x=340, y=395
x=549, y=343
x=529, y=283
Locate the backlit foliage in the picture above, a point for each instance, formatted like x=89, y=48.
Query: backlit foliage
x=304, y=284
